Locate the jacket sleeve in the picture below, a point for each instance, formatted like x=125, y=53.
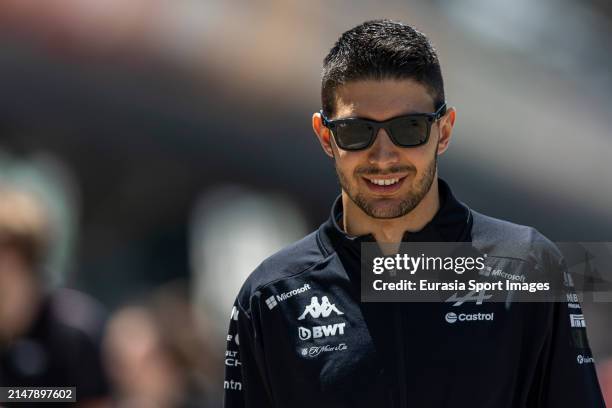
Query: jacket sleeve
x=244, y=385
x=567, y=376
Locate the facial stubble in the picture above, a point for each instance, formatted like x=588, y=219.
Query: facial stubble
x=406, y=204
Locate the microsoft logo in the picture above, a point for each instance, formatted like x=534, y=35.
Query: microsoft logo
x=271, y=302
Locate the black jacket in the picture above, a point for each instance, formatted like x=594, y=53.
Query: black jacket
x=300, y=337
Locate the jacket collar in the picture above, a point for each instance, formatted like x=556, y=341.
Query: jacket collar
x=452, y=223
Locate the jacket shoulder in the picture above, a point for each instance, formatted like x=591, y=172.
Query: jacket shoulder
x=503, y=238
x=290, y=261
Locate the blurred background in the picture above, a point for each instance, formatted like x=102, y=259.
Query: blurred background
x=168, y=143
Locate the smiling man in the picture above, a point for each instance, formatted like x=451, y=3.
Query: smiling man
x=299, y=334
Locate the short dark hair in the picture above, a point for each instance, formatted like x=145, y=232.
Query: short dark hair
x=381, y=49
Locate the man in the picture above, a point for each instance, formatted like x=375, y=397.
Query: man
x=299, y=335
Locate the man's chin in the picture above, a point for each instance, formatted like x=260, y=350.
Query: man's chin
x=386, y=215
x=385, y=208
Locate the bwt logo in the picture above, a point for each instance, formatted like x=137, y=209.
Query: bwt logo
x=321, y=331
x=452, y=317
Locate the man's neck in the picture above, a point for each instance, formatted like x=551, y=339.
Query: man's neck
x=356, y=222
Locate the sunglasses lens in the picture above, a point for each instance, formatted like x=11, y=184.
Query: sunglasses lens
x=353, y=135
x=409, y=131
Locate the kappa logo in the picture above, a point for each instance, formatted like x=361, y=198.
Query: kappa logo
x=323, y=309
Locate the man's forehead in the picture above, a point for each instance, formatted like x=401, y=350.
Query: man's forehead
x=382, y=99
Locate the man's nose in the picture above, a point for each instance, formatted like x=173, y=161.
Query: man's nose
x=383, y=151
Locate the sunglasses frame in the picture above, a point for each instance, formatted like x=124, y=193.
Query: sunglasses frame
x=385, y=124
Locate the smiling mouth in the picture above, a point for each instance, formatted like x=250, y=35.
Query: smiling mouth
x=384, y=185
x=384, y=182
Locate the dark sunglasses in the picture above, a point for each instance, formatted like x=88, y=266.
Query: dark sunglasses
x=405, y=131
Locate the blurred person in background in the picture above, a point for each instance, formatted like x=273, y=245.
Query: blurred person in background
x=604, y=371
x=48, y=338
x=157, y=356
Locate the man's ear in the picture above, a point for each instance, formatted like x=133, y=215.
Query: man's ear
x=323, y=134
x=446, y=124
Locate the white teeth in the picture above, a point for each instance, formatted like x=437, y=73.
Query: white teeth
x=384, y=182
